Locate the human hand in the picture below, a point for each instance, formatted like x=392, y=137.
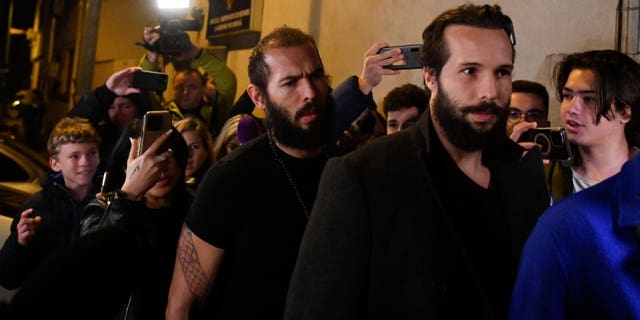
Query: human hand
x=210, y=92
x=518, y=130
x=119, y=82
x=144, y=171
x=27, y=227
x=373, y=66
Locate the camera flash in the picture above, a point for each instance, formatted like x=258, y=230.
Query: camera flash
x=173, y=4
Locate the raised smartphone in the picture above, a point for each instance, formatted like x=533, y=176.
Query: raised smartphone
x=154, y=124
x=411, y=59
x=149, y=80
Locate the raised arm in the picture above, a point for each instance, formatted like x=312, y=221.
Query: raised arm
x=95, y=104
x=373, y=66
x=353, y=95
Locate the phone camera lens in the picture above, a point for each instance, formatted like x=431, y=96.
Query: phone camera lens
x=543, y=141
x=154, y=122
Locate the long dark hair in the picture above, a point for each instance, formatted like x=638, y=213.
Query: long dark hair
x=617, y=82
x=118, y=163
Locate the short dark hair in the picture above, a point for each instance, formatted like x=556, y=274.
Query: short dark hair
x=617, y=82
x=406, y=96
x=202, y=77
x=526, y=86
x=434, y=53
x=281, y=37
x=118, y=160
x=141, y=101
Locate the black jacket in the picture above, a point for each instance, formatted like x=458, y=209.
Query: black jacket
x=380, y=245
x=60, y=224
x=120, y=271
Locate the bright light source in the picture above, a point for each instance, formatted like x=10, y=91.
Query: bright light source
x=173, y=4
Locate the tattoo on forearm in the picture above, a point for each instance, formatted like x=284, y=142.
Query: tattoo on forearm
x=190, y=264
x=134, y=171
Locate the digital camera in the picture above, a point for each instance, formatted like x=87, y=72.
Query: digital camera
x=173, y=38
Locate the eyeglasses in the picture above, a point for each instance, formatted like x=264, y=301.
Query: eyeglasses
x=534, y=115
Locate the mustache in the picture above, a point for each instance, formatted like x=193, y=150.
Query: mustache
x=484, y=107
x=308, y=107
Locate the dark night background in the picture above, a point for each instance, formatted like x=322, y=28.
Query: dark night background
x=19, y=66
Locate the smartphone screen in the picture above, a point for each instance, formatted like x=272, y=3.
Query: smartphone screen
x=154, y=124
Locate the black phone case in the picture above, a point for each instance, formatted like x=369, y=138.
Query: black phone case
x=149, y=80
x=553, y=142
x=411, y=54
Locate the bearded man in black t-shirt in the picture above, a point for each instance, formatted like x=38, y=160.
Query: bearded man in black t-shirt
x=241, y=237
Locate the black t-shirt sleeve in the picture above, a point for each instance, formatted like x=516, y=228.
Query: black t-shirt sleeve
x=210, y=216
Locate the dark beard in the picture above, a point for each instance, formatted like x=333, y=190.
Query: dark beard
x=289, y=134
x=459, y=131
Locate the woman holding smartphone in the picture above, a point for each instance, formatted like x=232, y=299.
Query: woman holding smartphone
x=149, y=206
x=121, y=266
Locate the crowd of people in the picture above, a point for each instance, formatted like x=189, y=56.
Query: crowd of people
x=327, y=209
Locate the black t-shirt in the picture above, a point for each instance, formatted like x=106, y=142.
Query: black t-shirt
x=477, y=216
x=247, y=206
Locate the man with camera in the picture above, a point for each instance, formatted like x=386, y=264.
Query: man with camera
x=529, y=103
x=209, y=97
x=528, y=110
x=429, y=222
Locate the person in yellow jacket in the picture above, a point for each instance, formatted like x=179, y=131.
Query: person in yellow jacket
x=208, y=96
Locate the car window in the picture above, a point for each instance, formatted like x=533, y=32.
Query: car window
x=11, y=171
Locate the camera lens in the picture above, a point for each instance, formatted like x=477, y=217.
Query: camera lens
x=154, y=122
x=543, y=141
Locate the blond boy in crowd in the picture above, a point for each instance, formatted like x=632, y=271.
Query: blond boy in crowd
x=51, y=217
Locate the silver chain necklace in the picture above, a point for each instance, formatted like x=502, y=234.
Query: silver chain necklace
x=288, y=174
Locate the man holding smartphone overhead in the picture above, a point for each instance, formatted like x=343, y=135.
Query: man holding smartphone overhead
x=111, y=108
x=444, y=241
